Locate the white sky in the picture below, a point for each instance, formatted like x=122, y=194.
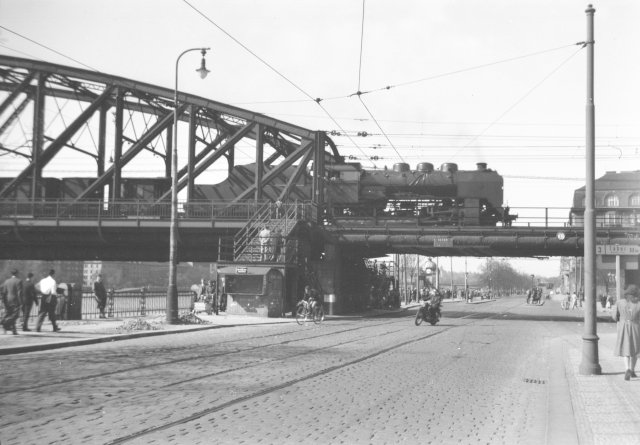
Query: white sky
x=524, y=117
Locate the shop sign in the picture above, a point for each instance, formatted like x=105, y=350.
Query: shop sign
x=242, y=270
x=617, y=249
x=443, y=241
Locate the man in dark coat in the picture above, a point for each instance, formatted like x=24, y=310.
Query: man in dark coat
x=12, y=299
x=30, y=297
x=100, y=294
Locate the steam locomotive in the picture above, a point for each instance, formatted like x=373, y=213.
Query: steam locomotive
x=439, y=197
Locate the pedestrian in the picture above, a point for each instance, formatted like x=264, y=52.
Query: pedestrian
x=100, y=294
x=12, y=299
x=30, y=297
x=277, y=245
x=574, y=301
x=278, y=209
x=49, y=290
x=627, y=314
x=265, y=243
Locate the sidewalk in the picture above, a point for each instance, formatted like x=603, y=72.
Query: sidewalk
x=84, y=332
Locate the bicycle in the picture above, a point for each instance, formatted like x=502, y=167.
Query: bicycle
x=302, y=313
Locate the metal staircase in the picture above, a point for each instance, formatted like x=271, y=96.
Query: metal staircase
x=284, y=218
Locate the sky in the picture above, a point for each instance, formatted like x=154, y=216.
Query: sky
x=497, y=81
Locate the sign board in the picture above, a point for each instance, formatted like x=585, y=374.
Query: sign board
x=617, y=249
x=443, y=241
x=241, y=270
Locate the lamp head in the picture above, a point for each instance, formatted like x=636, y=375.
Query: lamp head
x=203, y=71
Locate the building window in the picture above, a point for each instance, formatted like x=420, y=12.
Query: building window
x=611, y=218
x=611, y=201
x=634, y=200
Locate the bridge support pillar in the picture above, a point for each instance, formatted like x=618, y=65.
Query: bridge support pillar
x=341, y=274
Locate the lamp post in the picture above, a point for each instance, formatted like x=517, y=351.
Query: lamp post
x=532, y=286
x=172, y=290
x=590, y=362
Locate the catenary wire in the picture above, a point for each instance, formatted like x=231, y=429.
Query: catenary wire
x=268, y=65
x=48, y=48
x=517, y=102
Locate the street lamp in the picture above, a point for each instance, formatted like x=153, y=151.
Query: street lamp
x=172, y=290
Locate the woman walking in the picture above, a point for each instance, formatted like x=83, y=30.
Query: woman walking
x=627, y=314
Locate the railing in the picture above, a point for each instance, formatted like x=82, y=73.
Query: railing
x=132, y=303
x=99, y=209
x=535, y=217
x=283, y=217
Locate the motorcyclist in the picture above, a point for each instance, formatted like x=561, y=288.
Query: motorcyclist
x=435, y=302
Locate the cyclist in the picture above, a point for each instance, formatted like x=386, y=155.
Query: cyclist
x=309, y=299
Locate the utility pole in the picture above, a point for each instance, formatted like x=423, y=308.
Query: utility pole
x=451, y=267
x=466, y=282
x=590, y=364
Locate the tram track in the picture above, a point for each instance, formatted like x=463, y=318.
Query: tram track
x=310, y=376
x=202, y=356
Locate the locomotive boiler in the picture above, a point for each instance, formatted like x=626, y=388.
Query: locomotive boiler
x=445, y=196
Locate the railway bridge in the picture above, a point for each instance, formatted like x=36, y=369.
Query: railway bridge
x=96, y=128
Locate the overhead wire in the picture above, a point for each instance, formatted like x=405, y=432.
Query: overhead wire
x=271, y=67
x=48, y=48
x=420, y=80
x=517, y=102
x=359, y=80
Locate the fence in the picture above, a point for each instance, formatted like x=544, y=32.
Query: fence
x=129, y=303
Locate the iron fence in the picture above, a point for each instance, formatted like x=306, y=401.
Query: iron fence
x=130, y=303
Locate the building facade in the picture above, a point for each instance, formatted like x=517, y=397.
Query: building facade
x=617, y=204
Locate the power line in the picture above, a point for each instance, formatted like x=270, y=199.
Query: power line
x=48, y=48
x=268, y=65
x=420, y=80
x=521, y=99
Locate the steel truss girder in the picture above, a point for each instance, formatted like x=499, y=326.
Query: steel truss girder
x=136, y=148
x=54, y=147
x=288, y=141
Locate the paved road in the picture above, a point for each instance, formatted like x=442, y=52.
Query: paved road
x=485, y=374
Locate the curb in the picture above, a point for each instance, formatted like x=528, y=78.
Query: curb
x=133, y=335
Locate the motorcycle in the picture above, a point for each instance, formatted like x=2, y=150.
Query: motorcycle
x=429, y=312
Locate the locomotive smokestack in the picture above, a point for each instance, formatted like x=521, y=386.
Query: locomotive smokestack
x=482, y=166
x=425, y=167
x=449, y=167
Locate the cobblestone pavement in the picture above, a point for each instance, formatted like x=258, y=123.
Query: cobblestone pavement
x=500, y=372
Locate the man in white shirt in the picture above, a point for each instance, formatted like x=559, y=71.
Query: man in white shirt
x=265, y=243
x=49, y=290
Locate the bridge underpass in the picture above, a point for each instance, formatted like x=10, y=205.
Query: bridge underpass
x=108, y=214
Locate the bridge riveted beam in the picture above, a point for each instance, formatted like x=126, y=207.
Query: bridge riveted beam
x=191, y=154
x=157, y=128
x=258, y=185
x=213, y=157
x=37, y=137
x=55, y=146
x=16, y=113
x=286, y=163
x=293, y=180
x=20, y=88
x=116, y=176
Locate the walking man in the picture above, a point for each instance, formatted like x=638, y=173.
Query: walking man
x=49, y=291
x=265, y=243
x=100, y=294
x=12, y=299
x=30, y=297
